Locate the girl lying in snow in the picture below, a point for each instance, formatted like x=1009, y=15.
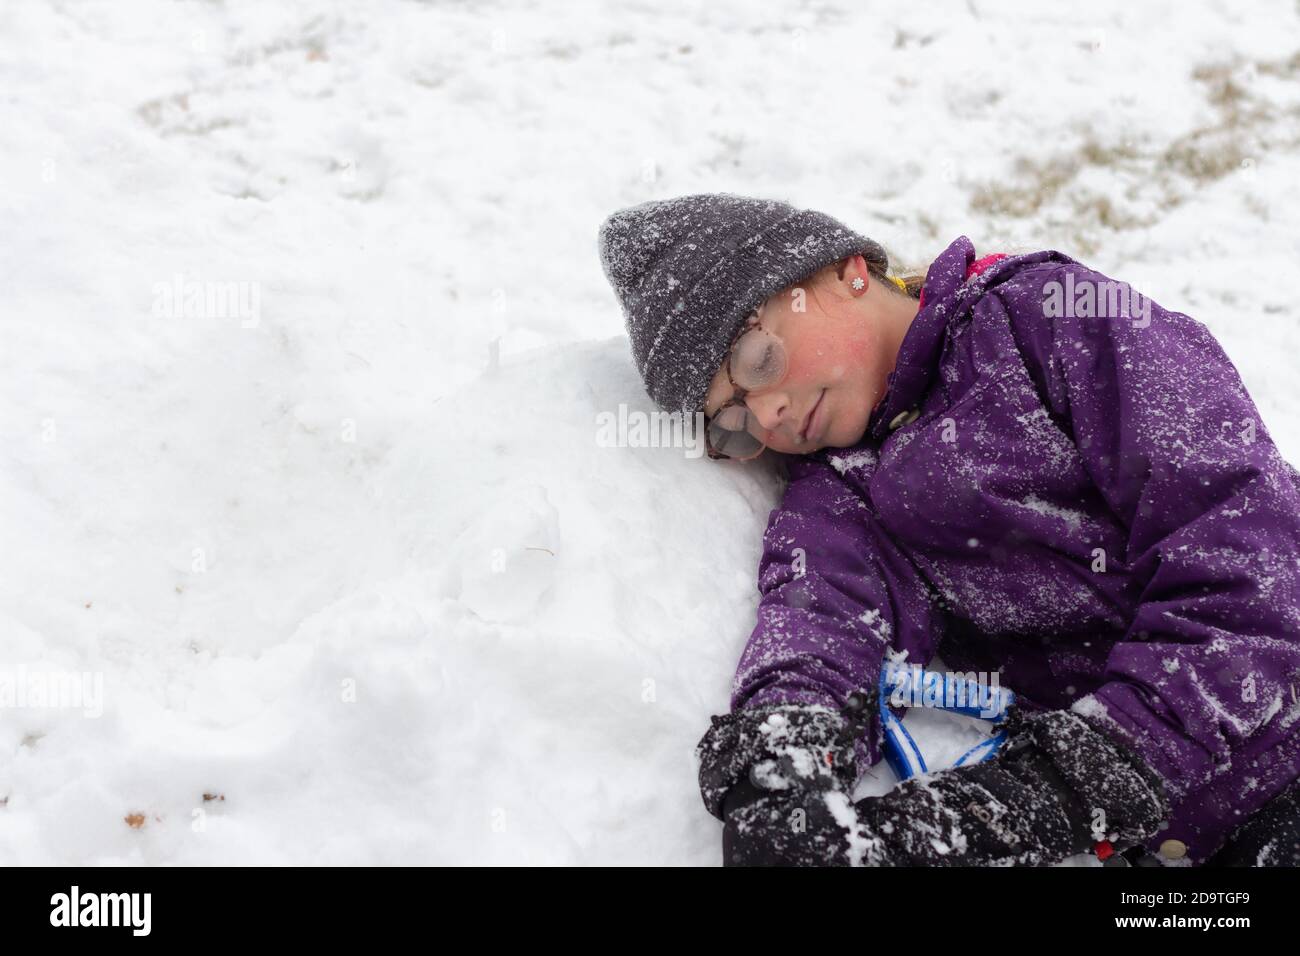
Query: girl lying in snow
x=984, y=467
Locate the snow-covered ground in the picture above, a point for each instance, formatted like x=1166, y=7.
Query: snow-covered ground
x=345, y=551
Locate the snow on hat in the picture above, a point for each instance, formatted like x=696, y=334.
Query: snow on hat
x=689, y=270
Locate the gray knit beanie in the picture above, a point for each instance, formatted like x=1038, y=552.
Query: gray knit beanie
x=689, y=270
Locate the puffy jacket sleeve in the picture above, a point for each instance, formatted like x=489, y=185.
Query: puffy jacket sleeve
x=836, y=596
x=1175, y=445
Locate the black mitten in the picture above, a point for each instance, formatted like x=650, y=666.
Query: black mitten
x=1270, y=837
x=1057, y=786
x=780, y=778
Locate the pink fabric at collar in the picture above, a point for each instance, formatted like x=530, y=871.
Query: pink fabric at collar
x=976, y=267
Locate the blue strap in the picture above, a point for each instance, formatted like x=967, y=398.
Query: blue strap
x=923, y=688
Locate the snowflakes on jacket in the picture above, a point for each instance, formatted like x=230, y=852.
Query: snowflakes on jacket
x=1087, y=502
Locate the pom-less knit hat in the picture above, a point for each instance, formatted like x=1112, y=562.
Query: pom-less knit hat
x=689, y=270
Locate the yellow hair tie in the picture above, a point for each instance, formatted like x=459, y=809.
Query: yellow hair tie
x=900, y=283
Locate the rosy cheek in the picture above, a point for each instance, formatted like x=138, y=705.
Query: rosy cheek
x=858, y=349
x=855, y=361
x=799, y=369
x=812, y=363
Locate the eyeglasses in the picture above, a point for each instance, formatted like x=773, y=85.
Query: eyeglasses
x=755, y=359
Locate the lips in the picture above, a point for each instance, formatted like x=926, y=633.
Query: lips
x=803, y=432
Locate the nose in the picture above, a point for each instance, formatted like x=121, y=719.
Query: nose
x=772, y=410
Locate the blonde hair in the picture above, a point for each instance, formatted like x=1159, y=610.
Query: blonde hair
x=907, y=282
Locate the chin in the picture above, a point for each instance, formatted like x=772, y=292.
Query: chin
x=846, y=436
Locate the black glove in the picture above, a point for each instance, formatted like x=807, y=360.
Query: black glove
x=1058, y=785
x=779, y=776
x=1270, y=837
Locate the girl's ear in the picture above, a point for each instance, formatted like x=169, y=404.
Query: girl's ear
x=835, y=278
x=849, y=276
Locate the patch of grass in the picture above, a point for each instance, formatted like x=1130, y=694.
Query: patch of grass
x=1242, y=126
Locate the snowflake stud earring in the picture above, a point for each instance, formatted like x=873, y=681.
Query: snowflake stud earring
x=858, y=283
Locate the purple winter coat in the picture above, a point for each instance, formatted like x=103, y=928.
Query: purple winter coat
x=1090, y=506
